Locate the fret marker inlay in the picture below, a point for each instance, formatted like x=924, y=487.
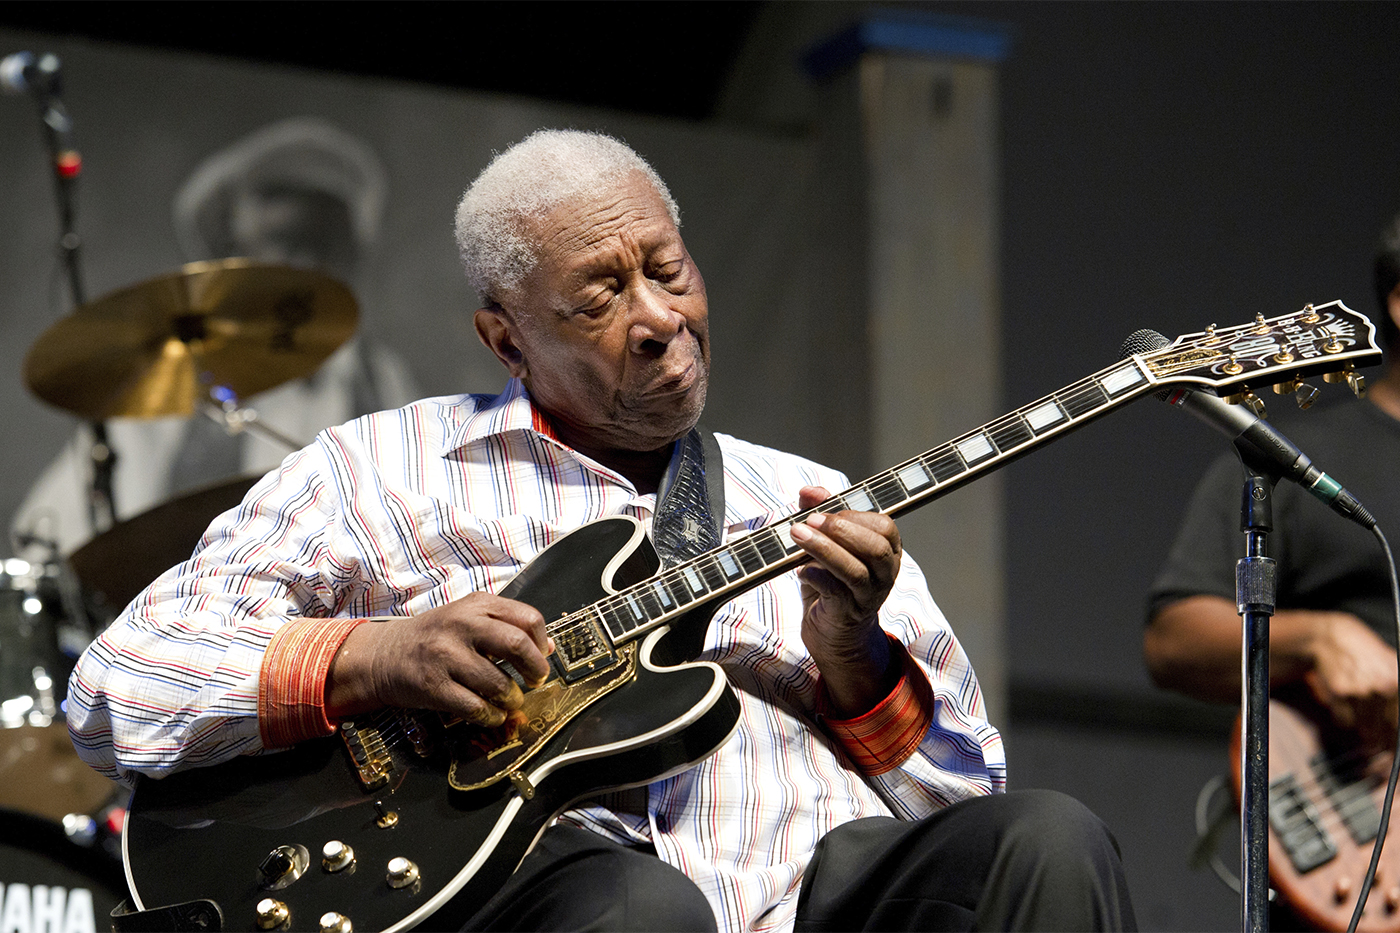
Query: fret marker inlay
x=975, y=448
x=1045, y=415
x=858, y=501
x=1123, y=378
x=913, y=476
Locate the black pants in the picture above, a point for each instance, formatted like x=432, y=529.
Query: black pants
x=1033, y=860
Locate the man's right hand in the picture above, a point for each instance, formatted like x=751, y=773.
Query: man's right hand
x=442, y=659
x=1193, y=645
x=1353, y=676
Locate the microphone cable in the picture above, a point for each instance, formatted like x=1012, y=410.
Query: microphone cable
x=1376, y=847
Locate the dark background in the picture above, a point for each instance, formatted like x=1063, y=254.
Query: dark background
x=1164, y=165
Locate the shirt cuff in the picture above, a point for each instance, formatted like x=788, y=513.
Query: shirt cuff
x=292, y=680
x=885, y=737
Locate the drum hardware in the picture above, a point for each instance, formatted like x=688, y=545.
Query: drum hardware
x=42, y=631
x=41, y=634
x=103, y=832
x=36, y=710
x=222, y=407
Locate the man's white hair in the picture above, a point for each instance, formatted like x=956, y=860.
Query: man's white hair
x=544, y=170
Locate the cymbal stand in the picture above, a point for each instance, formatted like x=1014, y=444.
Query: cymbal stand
x=1255, y=587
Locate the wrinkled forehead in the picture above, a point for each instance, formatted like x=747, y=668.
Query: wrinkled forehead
x=627, y=220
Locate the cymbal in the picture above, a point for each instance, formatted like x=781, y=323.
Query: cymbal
x=157, y=348
x=124, y=559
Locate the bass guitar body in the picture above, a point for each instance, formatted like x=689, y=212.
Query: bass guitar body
x=405, y=817
x=1325, y=797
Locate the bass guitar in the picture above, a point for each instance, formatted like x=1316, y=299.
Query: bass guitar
x=1326, y=789
x=404, y=817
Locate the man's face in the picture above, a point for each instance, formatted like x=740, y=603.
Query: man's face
x=609, y=332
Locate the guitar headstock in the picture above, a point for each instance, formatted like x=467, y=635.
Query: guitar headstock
x=1236, y=362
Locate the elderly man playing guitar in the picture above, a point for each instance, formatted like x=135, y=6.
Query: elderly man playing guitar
x=801, y=745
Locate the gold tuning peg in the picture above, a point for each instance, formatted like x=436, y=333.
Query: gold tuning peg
x=1284, y=388
x=1255, y=404
x=1348, y=374
x=1305, y=395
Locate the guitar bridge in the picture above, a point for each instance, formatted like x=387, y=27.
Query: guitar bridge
x=368, y=753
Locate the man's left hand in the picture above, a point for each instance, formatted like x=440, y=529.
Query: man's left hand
x=855, y=556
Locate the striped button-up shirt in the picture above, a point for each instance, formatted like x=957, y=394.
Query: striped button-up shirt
x=406, y=510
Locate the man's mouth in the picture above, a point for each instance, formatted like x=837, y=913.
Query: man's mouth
x=680, y=382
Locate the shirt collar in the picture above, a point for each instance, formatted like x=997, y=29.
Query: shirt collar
x=510, y=411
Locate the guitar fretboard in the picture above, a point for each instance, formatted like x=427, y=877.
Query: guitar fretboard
x=751, y=559
x=1316, y=338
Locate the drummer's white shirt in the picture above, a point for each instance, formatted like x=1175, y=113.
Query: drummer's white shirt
x=56, y=507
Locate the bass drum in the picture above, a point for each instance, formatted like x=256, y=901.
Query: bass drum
x=51, y=884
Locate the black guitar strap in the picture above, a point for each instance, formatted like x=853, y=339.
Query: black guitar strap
x=690, y=504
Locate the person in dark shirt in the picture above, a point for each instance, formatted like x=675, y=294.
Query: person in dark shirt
x=1333, y=634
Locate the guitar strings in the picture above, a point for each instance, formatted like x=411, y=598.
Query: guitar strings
x=877, y=487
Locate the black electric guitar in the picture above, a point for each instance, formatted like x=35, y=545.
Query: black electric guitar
x=405, y=818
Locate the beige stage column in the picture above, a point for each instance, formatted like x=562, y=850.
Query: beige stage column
x=926, y=94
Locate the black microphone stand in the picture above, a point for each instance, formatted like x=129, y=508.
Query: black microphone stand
x=1255, y=588
x=67, y=165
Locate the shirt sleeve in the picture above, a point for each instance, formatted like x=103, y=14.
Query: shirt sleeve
x=292, y=680
x=174, y=681
x=887, y=735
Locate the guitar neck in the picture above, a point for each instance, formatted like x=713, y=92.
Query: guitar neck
x=1327, y=338
x=755, y=558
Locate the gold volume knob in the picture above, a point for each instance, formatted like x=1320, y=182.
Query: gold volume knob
x=402, y=873
x=272, y=913
x=333, y=922
x=337, y=856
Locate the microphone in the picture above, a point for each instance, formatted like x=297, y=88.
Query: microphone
x=1258, y=443
x=21, y=73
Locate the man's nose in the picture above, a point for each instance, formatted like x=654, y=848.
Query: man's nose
x=655, y=323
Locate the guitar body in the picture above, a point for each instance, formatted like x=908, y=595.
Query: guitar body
x=204, y=833
x=1325, y=798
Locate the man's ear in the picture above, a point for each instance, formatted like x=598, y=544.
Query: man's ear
x=497, y=332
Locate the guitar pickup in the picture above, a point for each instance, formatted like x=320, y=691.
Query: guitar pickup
x=415, y=729
x=1350, y=793
x=1298, y=824
x=368, y=753
x=580, y=649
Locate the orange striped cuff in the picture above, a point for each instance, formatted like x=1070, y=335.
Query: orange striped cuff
x=884, y=738
x=292, y=680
